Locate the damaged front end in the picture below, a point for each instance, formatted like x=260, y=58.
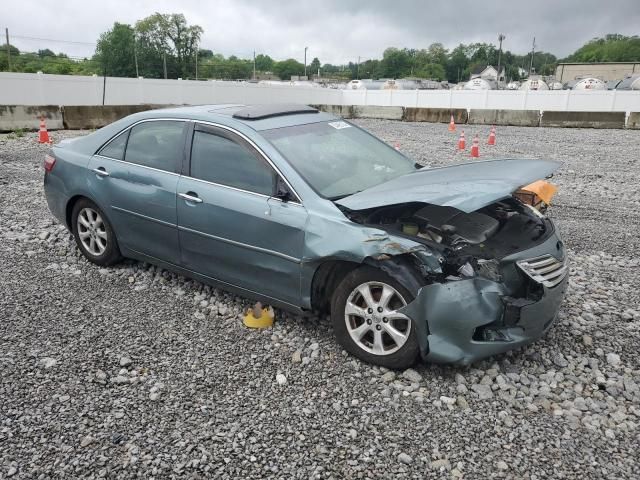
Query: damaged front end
x=486, y=282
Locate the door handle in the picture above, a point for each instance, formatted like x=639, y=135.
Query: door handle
x=190, y=197
x=100, y=171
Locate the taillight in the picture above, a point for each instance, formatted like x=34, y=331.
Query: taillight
x=49, y=162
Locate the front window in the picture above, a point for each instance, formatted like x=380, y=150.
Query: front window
x=218, y=159
x=337, y=158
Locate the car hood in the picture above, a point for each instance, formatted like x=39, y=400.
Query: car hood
x=467, y=187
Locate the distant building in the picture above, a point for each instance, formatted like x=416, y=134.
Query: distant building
x=488, y=72
x=606, y=71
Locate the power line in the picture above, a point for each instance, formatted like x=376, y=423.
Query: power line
x=24, y=37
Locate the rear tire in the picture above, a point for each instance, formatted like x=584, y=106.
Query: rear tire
x=93, y=233
x=365, y=320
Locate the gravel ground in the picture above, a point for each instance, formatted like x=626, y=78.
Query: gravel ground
x=134, y=372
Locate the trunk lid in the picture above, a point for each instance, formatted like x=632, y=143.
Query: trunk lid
x=467, y=187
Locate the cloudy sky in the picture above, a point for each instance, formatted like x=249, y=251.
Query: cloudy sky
x=336, y=31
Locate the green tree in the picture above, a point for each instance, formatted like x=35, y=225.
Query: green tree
x=46, y=53
x=432, y=71
x=396, y=63
x=314, y=66
x=264, y=63
x=437, y=54
x=168, y=36
x=288, y=67
x=457, y=68
x=115, y=51
x=610, y=48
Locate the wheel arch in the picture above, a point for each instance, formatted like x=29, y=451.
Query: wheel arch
x=329, y=274
x=72, y=202
x=326, y=278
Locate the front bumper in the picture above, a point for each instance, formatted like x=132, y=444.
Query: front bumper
x=450, y=317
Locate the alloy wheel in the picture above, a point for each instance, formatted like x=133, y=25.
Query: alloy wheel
x=373, y=321
x=92, y=231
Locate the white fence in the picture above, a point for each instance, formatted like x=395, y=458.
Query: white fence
x=42, y=89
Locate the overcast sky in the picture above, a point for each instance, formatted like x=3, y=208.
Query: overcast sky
x=336, y=31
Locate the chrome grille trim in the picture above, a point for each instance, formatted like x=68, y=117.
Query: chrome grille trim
x=546, y=270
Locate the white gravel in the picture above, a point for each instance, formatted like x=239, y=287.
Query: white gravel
x=134, y=372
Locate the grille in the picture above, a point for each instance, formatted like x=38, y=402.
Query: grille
x=546, y=270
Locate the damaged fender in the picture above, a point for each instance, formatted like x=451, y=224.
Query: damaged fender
x=363, y=245
x=452, y=311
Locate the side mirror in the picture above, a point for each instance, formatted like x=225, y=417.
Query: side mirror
x=283, y=195
x=282, y=191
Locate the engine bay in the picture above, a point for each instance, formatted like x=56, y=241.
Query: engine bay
x=491, y=233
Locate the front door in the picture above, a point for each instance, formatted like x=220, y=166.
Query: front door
x=231, y=228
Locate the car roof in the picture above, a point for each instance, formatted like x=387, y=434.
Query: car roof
x=257, y=117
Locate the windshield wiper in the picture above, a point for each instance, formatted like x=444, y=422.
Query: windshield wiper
x=340, y=197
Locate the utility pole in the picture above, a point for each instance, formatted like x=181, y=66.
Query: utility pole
x=104, y=84
x=501, y=37
x=196, y=61
x=6, y=31
x=358, y=69
x=305, y=61
x=164, y=63
x=254, y=64
x=135, y=54
x=533, y=51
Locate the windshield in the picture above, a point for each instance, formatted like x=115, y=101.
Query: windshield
x=337, y=158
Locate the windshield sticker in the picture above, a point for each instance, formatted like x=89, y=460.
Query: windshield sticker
x=339, y=125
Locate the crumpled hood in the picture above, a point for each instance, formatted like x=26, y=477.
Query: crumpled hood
x=467, y=187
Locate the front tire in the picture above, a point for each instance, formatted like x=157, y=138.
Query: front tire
x=93, y=233
x=366, y=322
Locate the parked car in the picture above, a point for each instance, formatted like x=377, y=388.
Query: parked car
x=305, y=211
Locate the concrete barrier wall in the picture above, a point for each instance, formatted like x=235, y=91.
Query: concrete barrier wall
x=521, y=118
x=86, y=116
x=386, y=113
x=15, y=117
x=583, y=119
x=634, y=120
x=435, y=115
x=344, y=111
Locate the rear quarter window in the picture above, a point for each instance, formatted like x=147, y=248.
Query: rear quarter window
x=115, y=148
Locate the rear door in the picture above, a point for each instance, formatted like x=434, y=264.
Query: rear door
x=140, y=187
x=231, y=227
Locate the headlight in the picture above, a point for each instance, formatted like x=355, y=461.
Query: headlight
x=467, y=270
x=535, y=211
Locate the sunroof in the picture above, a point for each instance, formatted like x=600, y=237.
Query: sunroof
x=258, y=112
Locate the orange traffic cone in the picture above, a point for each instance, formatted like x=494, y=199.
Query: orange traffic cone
x=452, y=125
x=461, y=141
x=44, y=135
x=492, y=136
x=475, y=148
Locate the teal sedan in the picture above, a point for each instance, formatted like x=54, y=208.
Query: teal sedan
x=307, y=212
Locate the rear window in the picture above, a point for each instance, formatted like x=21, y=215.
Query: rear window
x=157, y=144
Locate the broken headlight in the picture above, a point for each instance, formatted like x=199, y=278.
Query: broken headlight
x=489, y=269
x=467, y=270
